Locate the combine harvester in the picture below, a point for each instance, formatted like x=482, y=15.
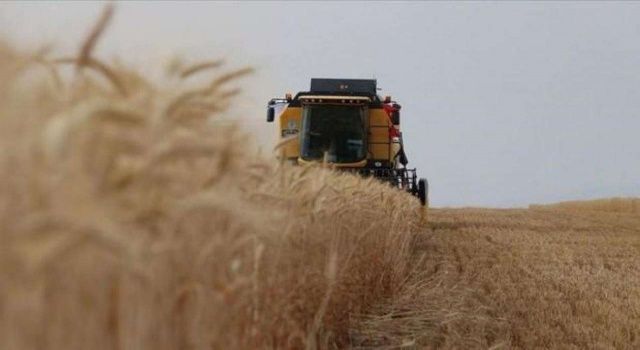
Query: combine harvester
x=345, y=123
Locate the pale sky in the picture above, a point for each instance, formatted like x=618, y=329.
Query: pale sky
x=504, y=103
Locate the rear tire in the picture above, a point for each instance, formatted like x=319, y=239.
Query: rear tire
x=422, y=191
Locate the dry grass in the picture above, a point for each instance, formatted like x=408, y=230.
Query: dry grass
x=616, y=205
x=131, y=219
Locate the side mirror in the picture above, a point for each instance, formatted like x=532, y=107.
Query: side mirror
x=271, y=114
x=395, y=117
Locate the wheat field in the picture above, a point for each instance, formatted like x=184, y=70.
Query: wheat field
x=133, y=216
x=614, y=205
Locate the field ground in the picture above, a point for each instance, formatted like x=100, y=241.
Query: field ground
x=523, y=278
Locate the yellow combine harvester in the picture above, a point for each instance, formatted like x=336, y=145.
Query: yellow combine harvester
x=345, y=123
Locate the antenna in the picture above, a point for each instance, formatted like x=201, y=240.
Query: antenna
x=376, y=79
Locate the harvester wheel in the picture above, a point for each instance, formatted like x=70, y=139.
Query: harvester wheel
x=422, y=191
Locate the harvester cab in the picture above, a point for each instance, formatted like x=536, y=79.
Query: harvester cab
x=345, y=123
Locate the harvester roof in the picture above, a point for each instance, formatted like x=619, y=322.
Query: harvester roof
x=342, y=88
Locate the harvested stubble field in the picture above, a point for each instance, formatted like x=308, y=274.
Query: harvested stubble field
x=558, y=277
